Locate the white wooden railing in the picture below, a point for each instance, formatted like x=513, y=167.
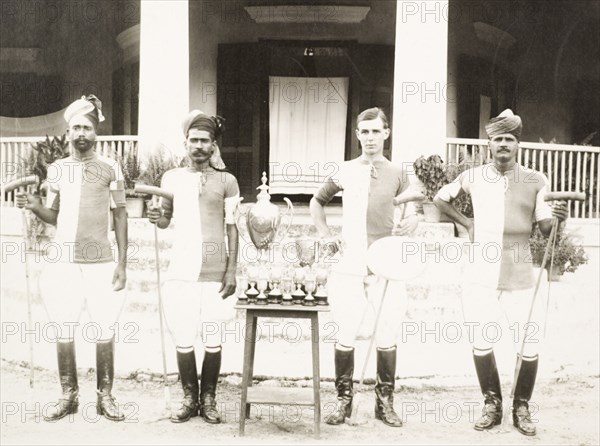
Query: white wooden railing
x=13, y=148
x=568, y=168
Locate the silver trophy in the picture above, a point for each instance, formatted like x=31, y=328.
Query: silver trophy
x=263, y=217
x=263, y=221
x=307, y=249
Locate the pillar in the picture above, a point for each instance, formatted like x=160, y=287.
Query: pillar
x=420, y=80
x=164, y=74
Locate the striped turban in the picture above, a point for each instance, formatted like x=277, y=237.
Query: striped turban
x=505, y=122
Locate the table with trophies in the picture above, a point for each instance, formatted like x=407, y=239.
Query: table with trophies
x=292, y=288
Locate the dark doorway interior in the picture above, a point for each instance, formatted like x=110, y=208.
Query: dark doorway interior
x=243, y=71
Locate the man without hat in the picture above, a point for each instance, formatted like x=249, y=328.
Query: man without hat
x=369, y=184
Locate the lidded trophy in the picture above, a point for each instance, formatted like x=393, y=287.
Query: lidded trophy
x=263, y=218
x=262, y=222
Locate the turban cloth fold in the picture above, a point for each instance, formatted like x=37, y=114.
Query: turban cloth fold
x=196, y=119
x=505, y=122
x=90, y=107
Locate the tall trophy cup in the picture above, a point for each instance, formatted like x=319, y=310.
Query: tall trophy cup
x=262, y=224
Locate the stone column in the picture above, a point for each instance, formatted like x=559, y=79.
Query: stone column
x=164, y=74
x=420, y=80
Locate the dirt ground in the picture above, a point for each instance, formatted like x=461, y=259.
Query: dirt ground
x=567, y=410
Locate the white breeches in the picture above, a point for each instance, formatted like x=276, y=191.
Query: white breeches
x=192, y=305
x=484, y=308
x=69, y=288
x=350, y=296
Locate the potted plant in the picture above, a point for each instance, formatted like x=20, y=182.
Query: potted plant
x=568, y=255
x=36, y=161
x=462, y=202
x=157, y=164
x=131, y=168
x=431, y=171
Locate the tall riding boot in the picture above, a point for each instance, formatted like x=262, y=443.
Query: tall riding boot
x=384, y=389
x=211, y=366
x=67, y=372
x=344, y=369
x=489, y=381
x=186, y=363
x=105, y=374
x=523, y=391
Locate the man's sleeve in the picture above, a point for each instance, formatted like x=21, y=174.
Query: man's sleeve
x=232, y=199
x=327, y=191
x=166, y=183
x=543, y=210
x=117, y=187
x=450, y=191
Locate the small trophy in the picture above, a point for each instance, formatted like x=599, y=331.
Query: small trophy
x=321, y=278
x=262, y=284
x=275, y=295
x=298, y=294
x=252, y=293
x=287, y=285
x=310, y=284
x=242, y=283
x=307, y=249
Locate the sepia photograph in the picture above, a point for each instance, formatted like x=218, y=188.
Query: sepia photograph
x=300, y=222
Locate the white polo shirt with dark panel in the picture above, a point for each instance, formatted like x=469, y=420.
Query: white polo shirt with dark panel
x=83, y=190
x=368, y=210
x=203, y=203
x=505, y=205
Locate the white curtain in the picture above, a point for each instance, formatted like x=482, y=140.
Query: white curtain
x=307, y=124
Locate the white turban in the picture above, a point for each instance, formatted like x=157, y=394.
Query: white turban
x=89, y=105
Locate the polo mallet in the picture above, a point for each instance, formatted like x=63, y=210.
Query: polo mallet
x=158, y=193
x=375, y=265
x=551, y=196
x=23, y=185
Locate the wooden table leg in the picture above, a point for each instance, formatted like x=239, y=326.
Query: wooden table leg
x=252, y=351
x=314, y=325
x=248, y=366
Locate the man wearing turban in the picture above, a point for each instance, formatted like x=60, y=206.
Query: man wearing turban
x=82, y=190
x=507, y=199
x=202, y=270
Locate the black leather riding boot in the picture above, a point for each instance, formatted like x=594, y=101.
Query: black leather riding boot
x=384, y=388
x=211, y=366
x=344, y=370
x=67, y=372
x=489, y=381
x=186, y=363
x=105, y=375
x=523, y=391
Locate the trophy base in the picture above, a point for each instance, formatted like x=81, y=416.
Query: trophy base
x=274, y=298
x=309, y=302
x=242, y=301
x=262, y=301
x=287, y=302
x=322, y=302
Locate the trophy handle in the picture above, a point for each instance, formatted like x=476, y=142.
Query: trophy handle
x=290, y=212
x=240, y=214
